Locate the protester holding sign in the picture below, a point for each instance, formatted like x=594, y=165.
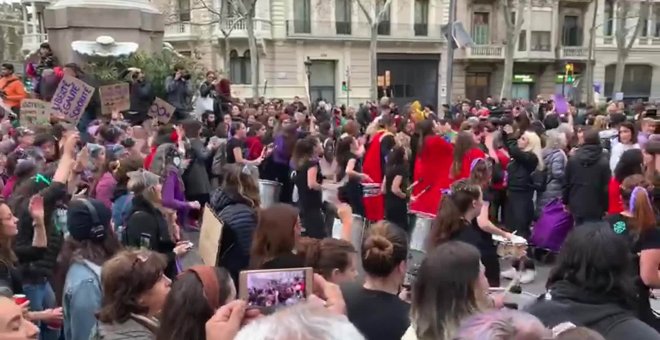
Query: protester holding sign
x=179, y=92
x=141, y=96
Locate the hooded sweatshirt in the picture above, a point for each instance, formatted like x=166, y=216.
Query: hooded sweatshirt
x=587, y=177
x=566, y=302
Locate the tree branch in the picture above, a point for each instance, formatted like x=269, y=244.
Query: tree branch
x=383, y=10
x=365, y=11
x=643, y=16
x=506, y=9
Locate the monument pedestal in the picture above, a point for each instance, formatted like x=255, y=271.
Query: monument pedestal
x=124, y=20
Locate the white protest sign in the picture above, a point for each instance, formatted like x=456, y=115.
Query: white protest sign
x=114, y=97
x=71, y=98
x=161, y=110
x=209, y=237
x=34, y=112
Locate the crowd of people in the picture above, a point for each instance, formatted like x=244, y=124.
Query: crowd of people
x=95, y=217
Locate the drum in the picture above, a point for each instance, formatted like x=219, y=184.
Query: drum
x=421, y=227
x=371, y=189
x=357, y=230
x=269, y=192
x=329, y=191
x=515, y=248
x=522, y=300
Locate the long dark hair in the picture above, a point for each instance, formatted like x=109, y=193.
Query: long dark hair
x=596, y=260
x=95, y=252
x=396, y=160
x=326, y=255
x=275, y=234
x=187, y=309
x=7, y=255
x=452, y=207
x=343, y=154
x=21, y=197
x=290, y=135
x=629, y=164
x=304, y=151
x=464, y=143
x=425, y=129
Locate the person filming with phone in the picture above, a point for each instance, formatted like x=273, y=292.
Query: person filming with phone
x=179, y=92
x=12, y=91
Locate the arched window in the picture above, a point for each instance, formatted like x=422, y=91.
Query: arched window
x=636, y=81
x=239, y=72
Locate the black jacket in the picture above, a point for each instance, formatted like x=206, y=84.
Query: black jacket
x=601, y=313
x=142, y=95
x=519, y=170
x=146, y=227
x=37, y=264
x=196, y=177
x=239, y=223
x=586, y=181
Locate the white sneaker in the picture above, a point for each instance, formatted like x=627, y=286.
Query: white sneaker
x=509, y=273
x=528, y=276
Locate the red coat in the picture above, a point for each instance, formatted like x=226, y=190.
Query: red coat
x=615, y=202
x=374, y=207
x=432, y=168
x=254, y=147
x=469, y=156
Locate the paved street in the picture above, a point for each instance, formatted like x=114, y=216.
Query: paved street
x=537, y=287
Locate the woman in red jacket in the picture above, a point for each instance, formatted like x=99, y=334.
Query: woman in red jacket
x=629, y=164
x=432, y=164
x=253, y=142
x=465, y=151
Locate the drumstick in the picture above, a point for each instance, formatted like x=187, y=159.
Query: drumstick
x=411, y=186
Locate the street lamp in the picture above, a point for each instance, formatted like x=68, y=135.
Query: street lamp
x=308, y=72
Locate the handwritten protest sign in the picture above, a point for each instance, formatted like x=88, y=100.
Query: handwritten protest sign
x=209, y=237
x=114, y=97
x=161, y=110
x=71, y=98
x=34, y=112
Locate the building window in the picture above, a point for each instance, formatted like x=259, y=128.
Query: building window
x=540, y=41
x=572, y=31
x=184, y=10
x=608, y=25
x=239, y=67
x=343, y=16
x=421, y=17
x=481, y=28
x=301, y=16
x=522, y=41
x=384, y=24
x=656, y=19
x=637, y=80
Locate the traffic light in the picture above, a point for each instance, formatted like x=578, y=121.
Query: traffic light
x=344, y=87
x=569, y=75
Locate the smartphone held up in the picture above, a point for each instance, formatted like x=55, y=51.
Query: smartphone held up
x=269, y=290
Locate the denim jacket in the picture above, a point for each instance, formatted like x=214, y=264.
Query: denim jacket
x=81, y=299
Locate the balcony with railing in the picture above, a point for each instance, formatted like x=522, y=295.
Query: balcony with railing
x=387, y=31
x=573, y=52
x=237, y=28
x=485, y=52
x=181, y=31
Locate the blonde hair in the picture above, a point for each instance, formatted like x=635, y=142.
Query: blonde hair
x=534, y=146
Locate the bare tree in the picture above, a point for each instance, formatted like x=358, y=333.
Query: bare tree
x=624, y=36
x=374, y=11
x=513, y=25
x=241, y=10
x=592, y=61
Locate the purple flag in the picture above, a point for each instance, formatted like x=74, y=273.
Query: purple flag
x=561, y=105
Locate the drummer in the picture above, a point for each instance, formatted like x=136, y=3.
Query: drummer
x=458, y=208
x=394, y=188
x=308, y=180
x=349, y=171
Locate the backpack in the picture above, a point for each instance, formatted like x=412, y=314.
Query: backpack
x=219, y=159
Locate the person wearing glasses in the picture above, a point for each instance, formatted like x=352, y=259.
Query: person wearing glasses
x=134, y=288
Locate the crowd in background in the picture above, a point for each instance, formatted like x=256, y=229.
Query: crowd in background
x=95, y=216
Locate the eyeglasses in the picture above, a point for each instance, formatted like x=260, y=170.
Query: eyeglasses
x=39, y=178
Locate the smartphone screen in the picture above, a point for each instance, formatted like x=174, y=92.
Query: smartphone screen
x=145, y=241
x=270, y=290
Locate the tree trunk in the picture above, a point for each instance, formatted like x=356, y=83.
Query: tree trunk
x=373, y=57
x=227, y=56
x=621, y=58
x=591, y=62
x=254, y=54
x=507, y=77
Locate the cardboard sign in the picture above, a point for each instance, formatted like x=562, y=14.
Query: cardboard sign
x=161, y=110
x=618, y=96
x=209, y=237
x=114, y=97
x=71, y=98
x=34, y=112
